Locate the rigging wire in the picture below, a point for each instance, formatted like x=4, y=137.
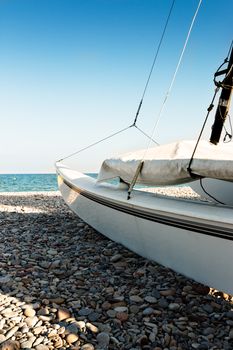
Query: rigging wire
x=154, y=61
x=142, y=98
x=106, y=138
x=166, y=96
x=173, y=78
x=143, y=132
x=95, y=143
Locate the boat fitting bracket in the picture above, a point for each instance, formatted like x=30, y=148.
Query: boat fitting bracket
x=138, y=170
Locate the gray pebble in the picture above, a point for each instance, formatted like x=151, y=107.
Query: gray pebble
x=163, y=303
x=84, y=312
x=173, y=306
x=103, y=340
x=148, y=311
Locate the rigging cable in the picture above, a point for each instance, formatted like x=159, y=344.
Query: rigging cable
x=174, y=77
x=153, y=64
x=104, y=139
x=95, y=143
x=168, y=91
x=145, y=134
x=141, y=101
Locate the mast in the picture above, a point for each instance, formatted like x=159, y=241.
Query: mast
x=224, y=100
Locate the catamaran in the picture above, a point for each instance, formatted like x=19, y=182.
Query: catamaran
x=192, y=237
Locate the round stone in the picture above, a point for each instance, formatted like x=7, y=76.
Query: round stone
x=150, y=299
x=103, y=340
x=92, y=327
x=122, y=316
x=135, y=299
x=121, y=309
x=29, y=312
x=71, y=338
x=111, y=313
x=174, y=306
x=87, y=346
x=148, y=311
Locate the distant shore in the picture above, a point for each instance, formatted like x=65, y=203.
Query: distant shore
x=64, y=285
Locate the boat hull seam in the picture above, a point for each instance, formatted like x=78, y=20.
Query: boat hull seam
x=205, y=229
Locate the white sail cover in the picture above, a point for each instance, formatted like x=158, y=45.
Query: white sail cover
x=167, y=164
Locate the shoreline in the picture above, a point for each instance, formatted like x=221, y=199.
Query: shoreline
x=28, y=193
x=64, y=285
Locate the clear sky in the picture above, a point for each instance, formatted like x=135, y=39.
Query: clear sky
x=73, y=72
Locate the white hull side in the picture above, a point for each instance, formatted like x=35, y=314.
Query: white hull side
x=202, y=257
x=220, y=190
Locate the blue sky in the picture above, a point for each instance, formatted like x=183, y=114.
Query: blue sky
x=73, y=72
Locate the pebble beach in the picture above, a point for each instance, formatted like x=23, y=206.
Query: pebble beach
x=65, y=286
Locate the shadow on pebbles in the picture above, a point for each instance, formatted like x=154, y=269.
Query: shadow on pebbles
x=65, y=286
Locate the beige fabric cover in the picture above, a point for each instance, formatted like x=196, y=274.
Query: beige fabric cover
x=167, y=164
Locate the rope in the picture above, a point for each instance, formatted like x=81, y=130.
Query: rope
x=153, y=64
x=173, y=78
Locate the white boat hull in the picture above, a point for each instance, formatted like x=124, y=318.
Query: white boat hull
x=213, y=189
x=192, y=238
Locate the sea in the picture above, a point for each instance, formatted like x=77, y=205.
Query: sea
x=30, y=182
